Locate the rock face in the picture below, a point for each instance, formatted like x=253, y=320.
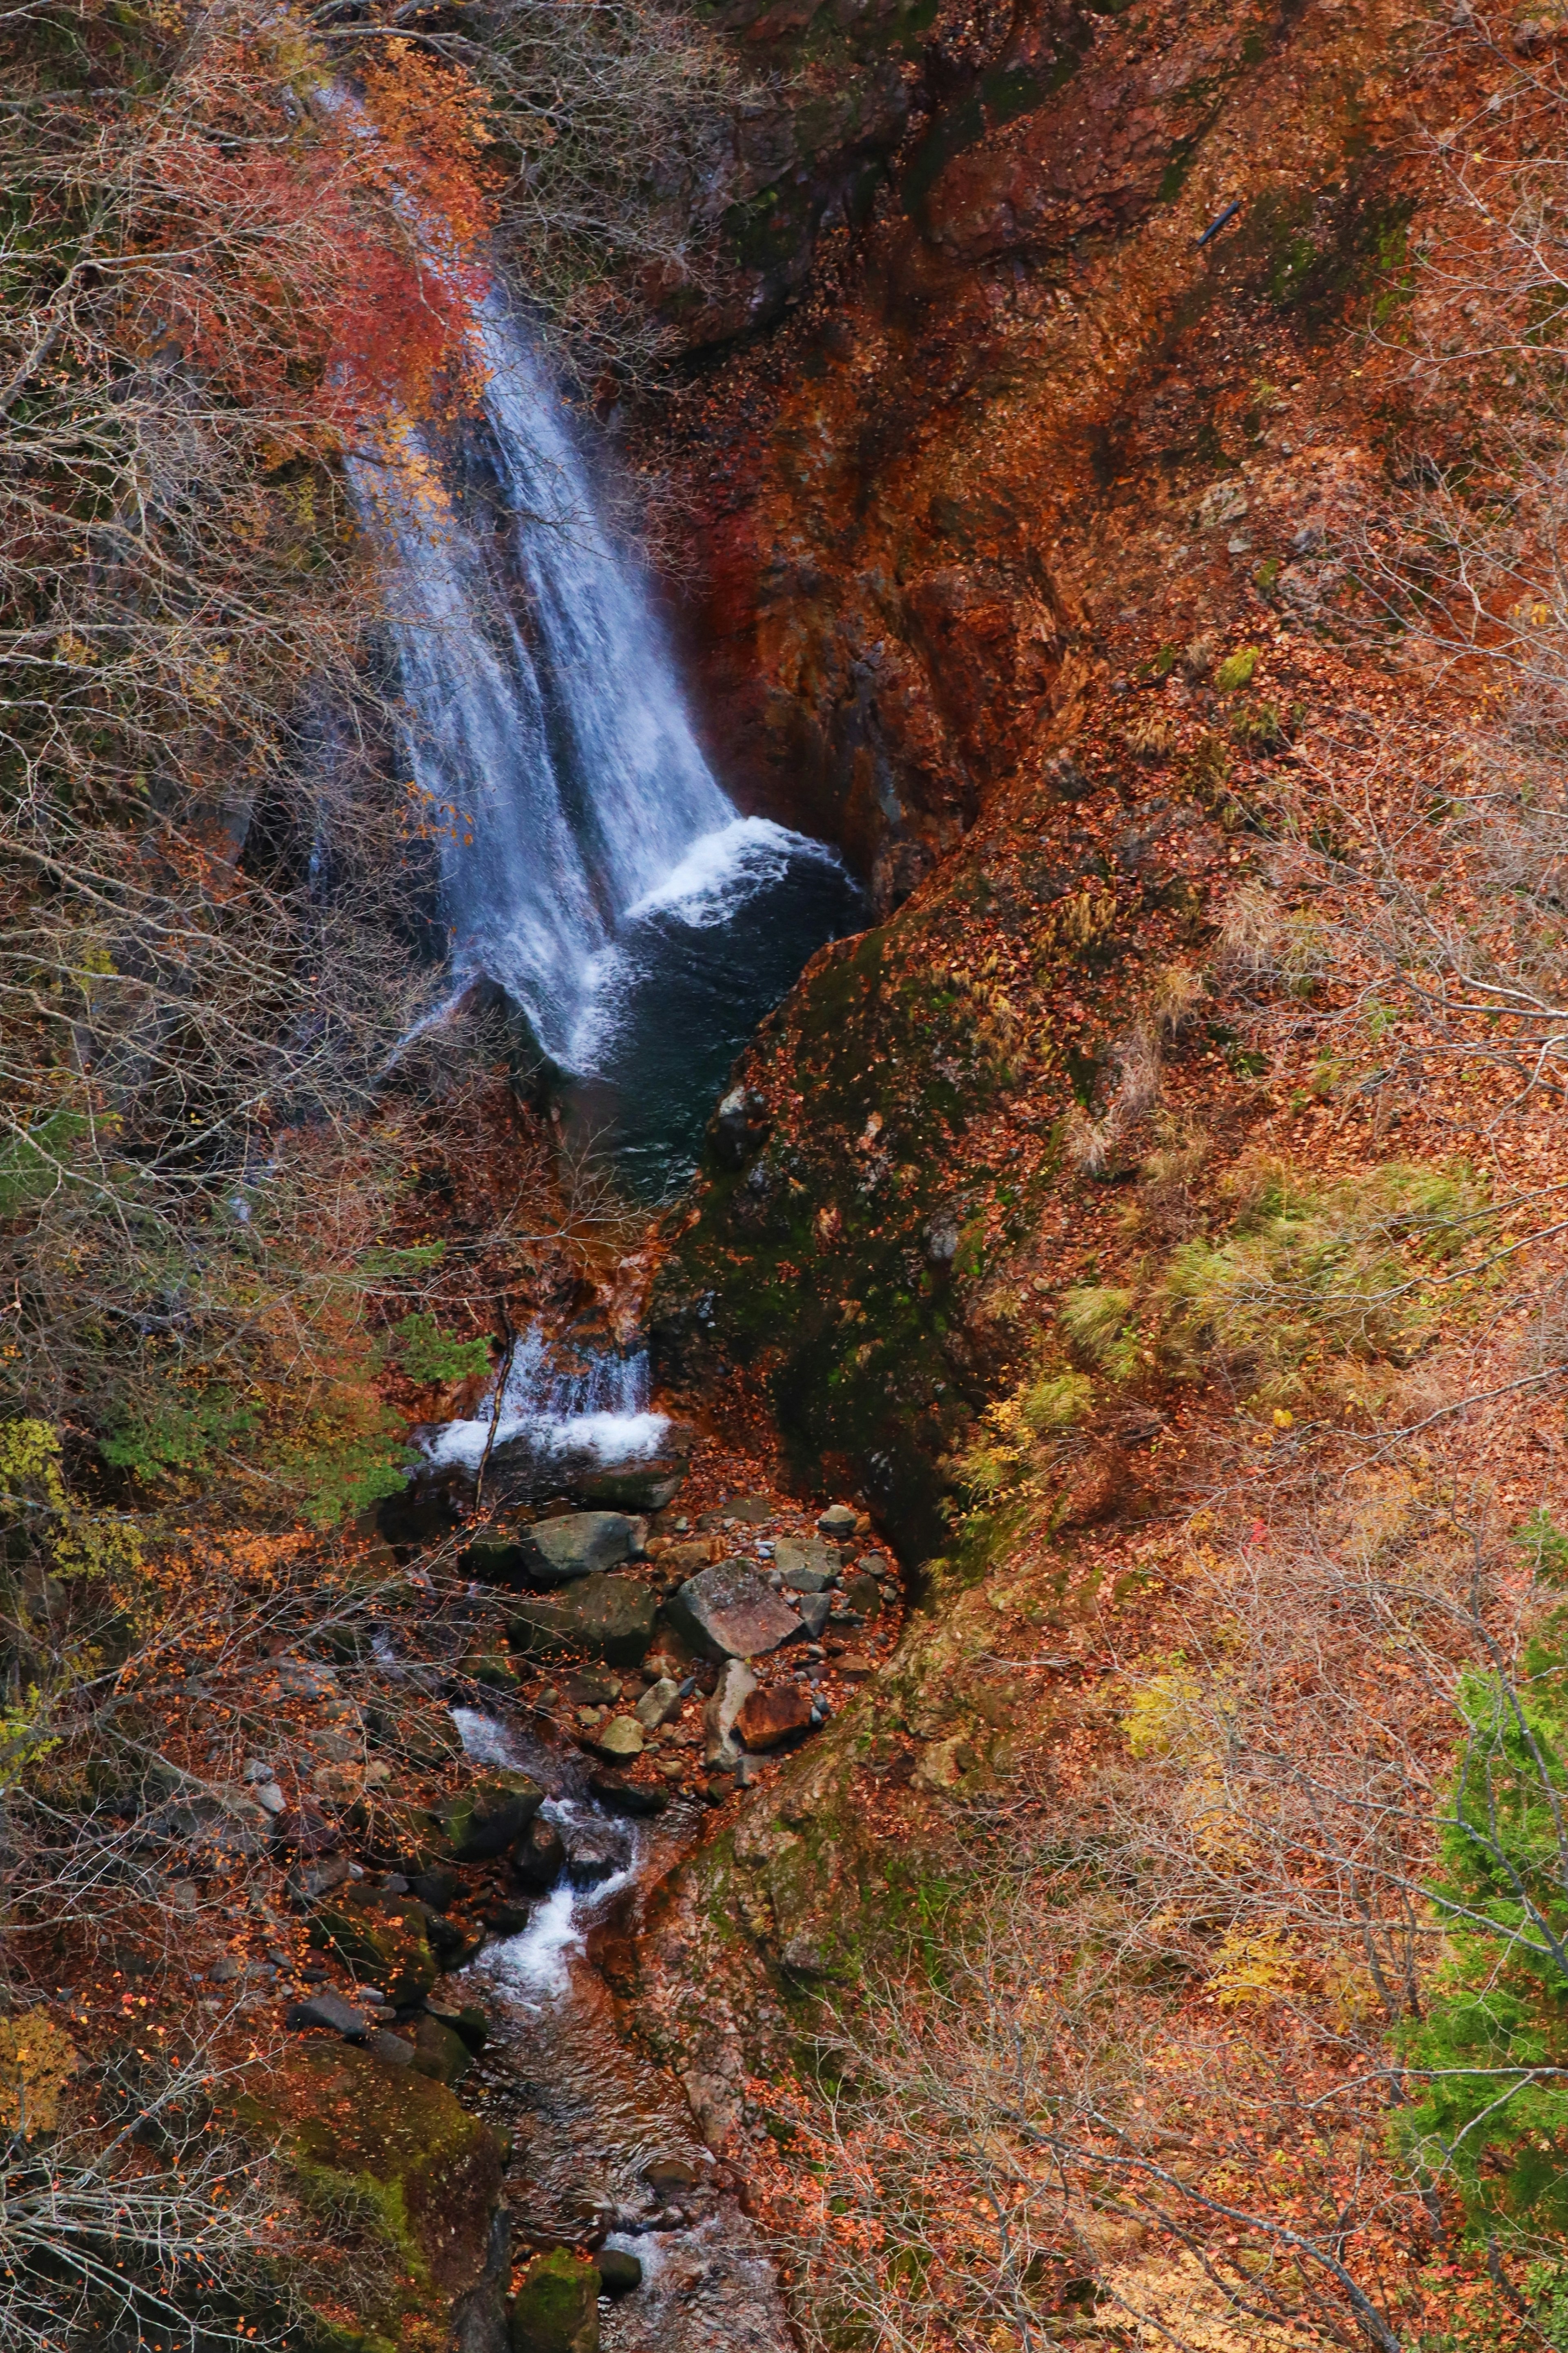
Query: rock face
x=638, y=1486
x=575, y=1544
x=727, y=1613
x=557, y=2307
x=610, y=1617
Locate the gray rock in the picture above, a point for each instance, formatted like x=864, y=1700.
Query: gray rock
x=864, y=1594
x=814, y=1609
x=392, y=2048
x=539, y=1855
x=727, y=1613
x=838, y=1522
x=809, y=1566
x=621, y=1738
x=270, y=1797
x=223, y=1972
x=630, y=1486
x=576, y=1544
x=620, y=2271
x=736, y=1684
x=330, y=2009
x=612, y=1617
x=308, y=1882
x=593, y=1855
x=657, y=1705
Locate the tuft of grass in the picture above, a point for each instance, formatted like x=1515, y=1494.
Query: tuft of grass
x=1096, y=1321
x=1236, y=670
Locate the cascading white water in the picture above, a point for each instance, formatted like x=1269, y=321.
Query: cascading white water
x=600, y=1414
x=557, y=769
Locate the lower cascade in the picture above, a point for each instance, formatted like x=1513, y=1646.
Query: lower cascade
x=591, y=865
x=608, y=2150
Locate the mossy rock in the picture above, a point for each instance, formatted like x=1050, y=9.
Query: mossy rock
x=557, y=2307
x=488, y=1817
x=440, y=2052
x=386, y=1937
x=391, y=2148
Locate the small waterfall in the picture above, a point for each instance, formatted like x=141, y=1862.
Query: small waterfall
x=596, y=1413
x=554, y=760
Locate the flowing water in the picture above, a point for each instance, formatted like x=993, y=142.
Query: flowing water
x=591, y=2121
x=596, y=1413
x=592, y=867
x=590, y=863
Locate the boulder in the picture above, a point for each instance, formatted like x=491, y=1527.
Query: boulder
x=805, y=1563
x=494, y=1560
x=659, y=1703
x=814, y=1609
x=617, y=1741
x=539, y=1855
x=639, y=1486
x=619, y=1796
x=839, y=1521
x=383, y=1935
x=470, y=2022
x=864, y=1594
x=487, y=1818
x=576, y=1543
x=391, y=2050
x=330, y=2009
x=771, y=1716
x=308, y=1883
x=593, y=1855
x=436, y=1889
x=620, y=2271
x=439, y=2053
x=727, y=1613
x=611, y=1616
x=736, y=1686
x=389, y=2142
x=557, y=2305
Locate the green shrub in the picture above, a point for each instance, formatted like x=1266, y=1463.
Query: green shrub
x=428, y=1354
x=1493, y=2045
x=1237, y=668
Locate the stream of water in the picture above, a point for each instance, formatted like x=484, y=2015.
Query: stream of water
x=591, y=2123
x=591, y=865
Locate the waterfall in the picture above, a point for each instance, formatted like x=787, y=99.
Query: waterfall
x=553, y=757
x=598, y=1413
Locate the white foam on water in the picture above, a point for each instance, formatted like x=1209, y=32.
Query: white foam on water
x=723, y=868
x=598, y=1414
x=483, y=1738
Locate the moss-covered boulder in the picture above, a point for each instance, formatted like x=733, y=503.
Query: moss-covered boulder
x=385, y=1937
x=611, y=1617
x=408, y=2177
x=487, y=1817
x=557, y=2307
x=440, y=2051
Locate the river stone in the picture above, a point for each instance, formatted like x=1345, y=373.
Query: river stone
x=727, y=1613
x=382, y=1934
x=735, y=1687
x=621, y=1737
x=439, y=2053
x=619, y=1796
x=659, y=1703
x=814, y=1609
x=636, y=1486
x=557, y=2305
x=620, y=2271
x=328, y=2008
x=864, y=1594
x=308, y=1883
x=610, y=1616
x=807, y=1564
x=494, y=1560
x=487, y=1817
x=575, y=1544
x=539, y=1855
x=770, y=1717
x=594, y=1854
x=838, y=1521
